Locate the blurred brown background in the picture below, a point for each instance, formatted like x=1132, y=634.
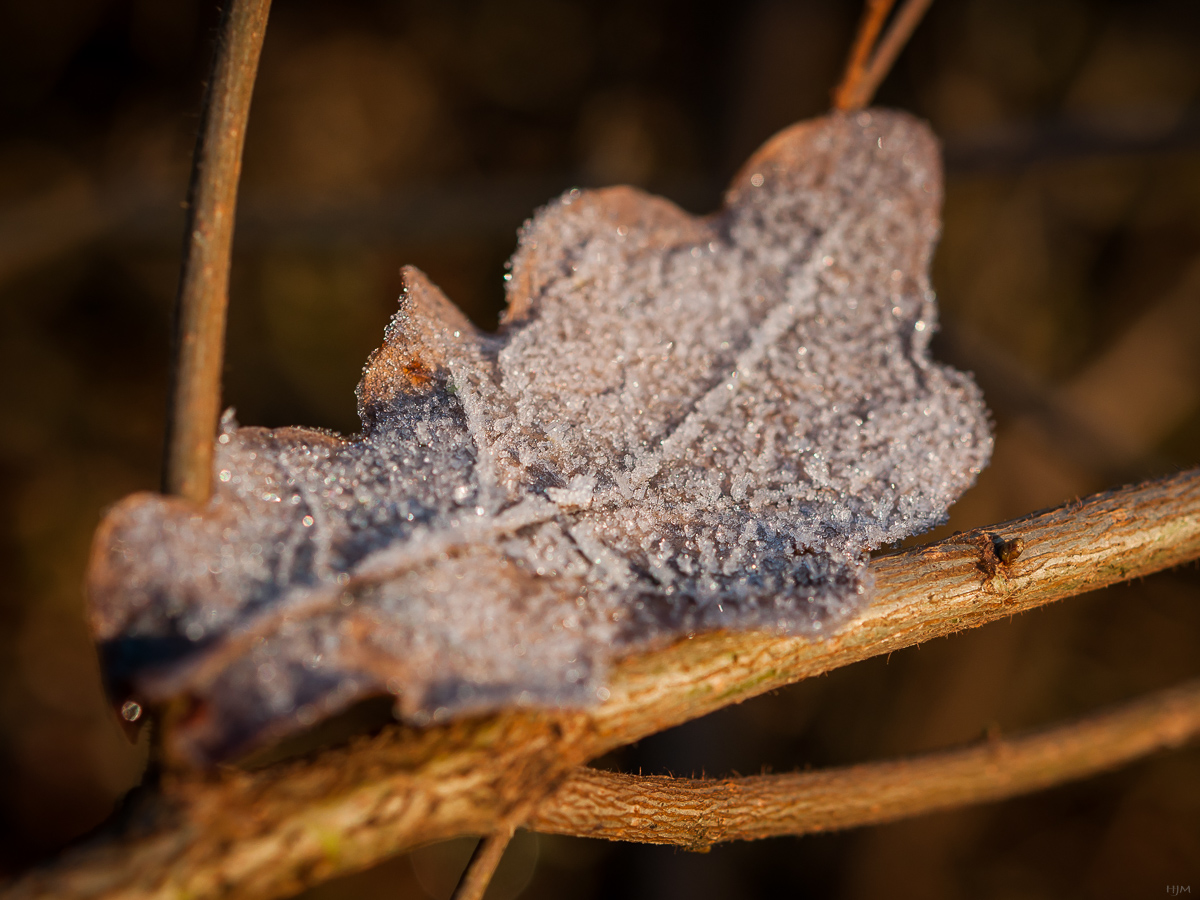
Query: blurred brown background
x=424, y=132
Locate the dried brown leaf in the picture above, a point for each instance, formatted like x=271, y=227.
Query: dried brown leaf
x=685, y=424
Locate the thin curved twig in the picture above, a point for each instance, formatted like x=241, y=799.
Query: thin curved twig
x=697, y=813
x=275, y=831
x=482, y=866
x=862, y=77
x=198, y=345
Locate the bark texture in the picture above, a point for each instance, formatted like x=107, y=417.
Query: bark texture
x=697, y=813
x=274, y=831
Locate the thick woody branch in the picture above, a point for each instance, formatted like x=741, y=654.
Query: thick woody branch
x=697, y=813
x=275, y=831
x=920, y=594
x=198, y=346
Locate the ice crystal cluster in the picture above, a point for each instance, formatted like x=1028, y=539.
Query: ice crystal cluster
x=684, y=424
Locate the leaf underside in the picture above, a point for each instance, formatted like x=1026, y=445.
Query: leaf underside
x=684, y=424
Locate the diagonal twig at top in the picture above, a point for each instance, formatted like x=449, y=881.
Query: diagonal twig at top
x=869, y=62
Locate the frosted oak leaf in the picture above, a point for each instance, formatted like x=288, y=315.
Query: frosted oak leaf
x=685, y=423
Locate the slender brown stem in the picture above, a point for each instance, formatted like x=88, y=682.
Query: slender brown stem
x=697, y=813
x=482, y=866
x=269, y=833
x=863, y=77
x=199, y=336
x=874, y=15
x=889, y=48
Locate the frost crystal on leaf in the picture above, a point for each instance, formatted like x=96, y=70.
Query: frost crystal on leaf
x=684, y=424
